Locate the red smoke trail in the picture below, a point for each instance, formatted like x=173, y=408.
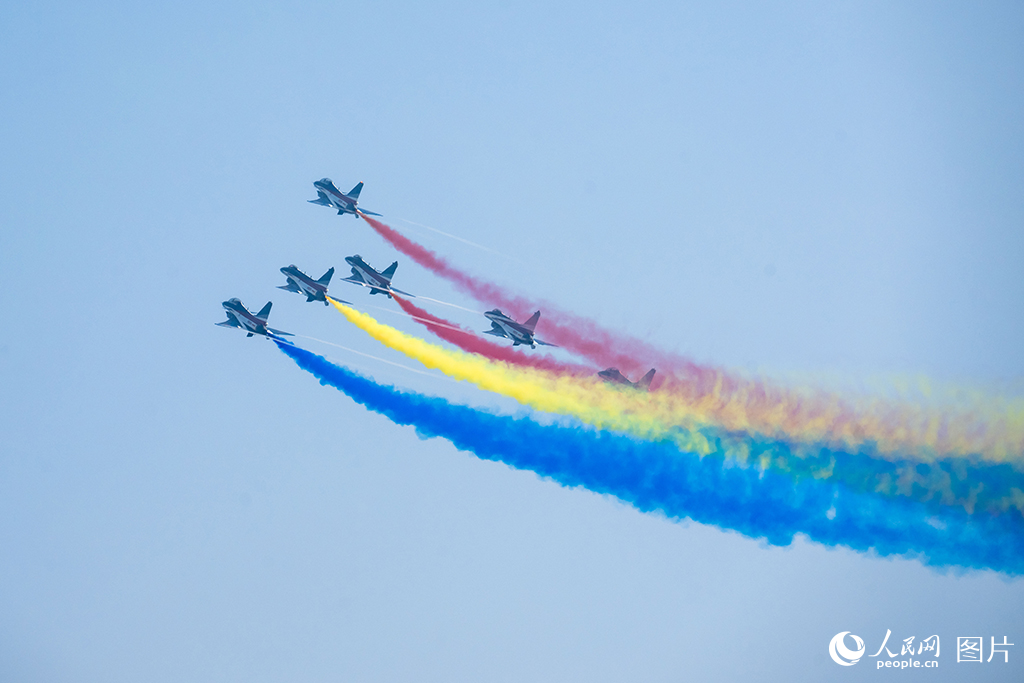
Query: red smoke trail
x=469, y=342
x=578, y=334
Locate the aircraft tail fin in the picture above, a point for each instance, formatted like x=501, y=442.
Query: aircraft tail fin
x=325, y=279
x=389, y=272
x=531, y=324
x=354, y=192
x=645, y=381
x=265, y=312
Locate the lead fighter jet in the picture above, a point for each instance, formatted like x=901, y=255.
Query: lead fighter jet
x=613, y=376
x=240, y=316
x=519, y=333
x=328, y=194
x=378, y=282
x=299, y=282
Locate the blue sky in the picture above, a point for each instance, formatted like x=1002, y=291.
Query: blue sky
x=825, y=193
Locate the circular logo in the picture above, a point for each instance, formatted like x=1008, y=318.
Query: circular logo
x=843, y=655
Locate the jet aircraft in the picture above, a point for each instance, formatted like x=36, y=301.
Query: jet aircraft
x=299, y=282
x=240, y=316
x=613, y=376
x=519, y=333
x=328, y=194
x=378, y=282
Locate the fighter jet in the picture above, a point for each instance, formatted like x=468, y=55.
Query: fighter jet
x=364, y=274
x=519, y=333
x=328, y=194
x=613, y=376
x=240, y=316
x=299, y=282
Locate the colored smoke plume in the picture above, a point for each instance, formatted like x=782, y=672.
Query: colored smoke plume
x=989, y=430
x=657, y=477
x=947, y=482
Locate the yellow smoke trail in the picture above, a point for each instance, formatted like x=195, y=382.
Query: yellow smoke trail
x=584, y=399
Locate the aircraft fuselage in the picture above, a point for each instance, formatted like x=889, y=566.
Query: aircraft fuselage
x=613, y=376
x=370, y=277
x=244, y=319
x=513, y=330
x=338, y=199
x=305, y=284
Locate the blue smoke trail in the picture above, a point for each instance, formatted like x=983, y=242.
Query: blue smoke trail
x=968, y=483
x=657, y=477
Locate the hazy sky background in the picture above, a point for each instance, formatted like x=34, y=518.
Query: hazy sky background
x=825, y=193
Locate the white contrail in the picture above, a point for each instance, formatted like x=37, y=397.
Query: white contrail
x=377, y=358
x=420, y=297
x=445, y=303
x=414, y=317
x=408, y=315
x=460, y=239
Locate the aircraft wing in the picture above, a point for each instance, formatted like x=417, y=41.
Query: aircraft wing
x=355, y=279
x=232, y=321
x=496, y=330
x=544, y=343
x=398, y=291
x=290, y=287
x=321, y=199
x=370, y=213
x=279, y=333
